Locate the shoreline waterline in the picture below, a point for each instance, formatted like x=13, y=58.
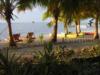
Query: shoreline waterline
x=38, y=29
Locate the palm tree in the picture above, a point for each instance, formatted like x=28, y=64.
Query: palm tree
x=7, y=7
x=77, y=23
x=68, y=7
x=56, y=12
x=66, y=26
x=92, y=9
x=97, y=15
x=66, y=19
x=71, y=8
x=96, y=36
x=53, y=7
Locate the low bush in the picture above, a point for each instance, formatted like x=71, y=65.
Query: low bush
x=51, y=61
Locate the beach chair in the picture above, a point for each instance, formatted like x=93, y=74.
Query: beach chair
x=30, y=37
x=16, y=37
x=89, y=33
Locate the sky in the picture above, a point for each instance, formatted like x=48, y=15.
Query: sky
x=29, y=15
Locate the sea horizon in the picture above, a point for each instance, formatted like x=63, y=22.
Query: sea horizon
x=37, y=27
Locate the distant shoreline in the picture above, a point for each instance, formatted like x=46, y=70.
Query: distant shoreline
x=37, y=28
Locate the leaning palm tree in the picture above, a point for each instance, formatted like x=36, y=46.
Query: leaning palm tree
x=6, y=10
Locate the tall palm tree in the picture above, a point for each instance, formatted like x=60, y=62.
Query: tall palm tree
x=71, y=8
x=53, y=7
x=92, y=9
x=56, y=15
x=96, y=36
x=96, y=9
x=77, y=23
x=7, y=7
x=66, y=26
x=66, y=20
x=62, y=18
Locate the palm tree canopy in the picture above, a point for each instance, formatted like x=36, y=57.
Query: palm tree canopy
x=7, y=6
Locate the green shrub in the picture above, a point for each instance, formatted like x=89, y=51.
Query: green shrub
x=53, y=60
x=11, y=65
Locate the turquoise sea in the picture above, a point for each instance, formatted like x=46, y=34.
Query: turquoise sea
x=38, y=28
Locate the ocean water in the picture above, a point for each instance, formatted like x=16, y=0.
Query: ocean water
x=38, y=28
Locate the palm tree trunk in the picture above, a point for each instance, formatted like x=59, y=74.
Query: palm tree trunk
x=96, y=36
x=76, y=27
x=11, y=43
x=65, y=27
x=54, y=36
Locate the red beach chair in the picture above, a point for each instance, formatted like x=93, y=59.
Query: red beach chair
x=89, y=33
x=16, y=37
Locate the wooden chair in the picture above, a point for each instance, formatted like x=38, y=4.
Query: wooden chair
x=30, y=36
x=16, y=37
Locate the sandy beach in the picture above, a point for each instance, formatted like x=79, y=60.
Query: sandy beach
x=46, y=38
